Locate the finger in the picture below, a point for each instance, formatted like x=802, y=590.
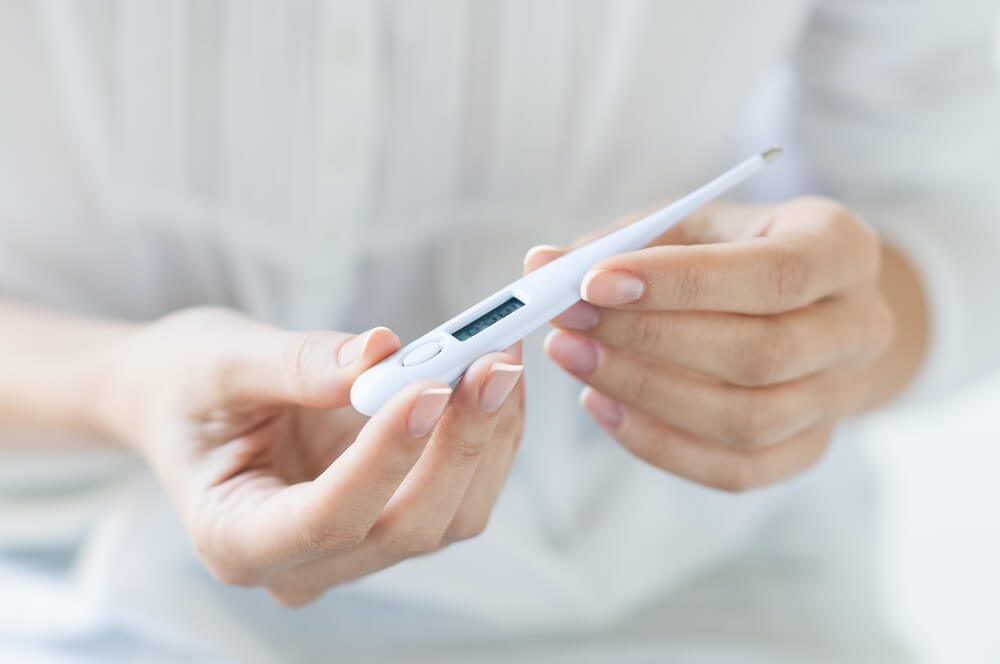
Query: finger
x=405, y=529
x=335, y=511
x=313, y=369
x=304, y=583
x=417, y=516
x=680, y=233
x=696, y=228
x=755, y=276
x=540, y=255
x=712, y=410
x=740, y=349
x=809, y=252
x=415, y=522
x=709, y=464
x=580, y=316
x=720, y=221
x=517, y=352
x=491, y=474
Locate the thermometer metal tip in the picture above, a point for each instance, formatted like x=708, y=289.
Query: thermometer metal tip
x=772, y=154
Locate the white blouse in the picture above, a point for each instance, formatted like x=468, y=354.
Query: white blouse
x=329, y=164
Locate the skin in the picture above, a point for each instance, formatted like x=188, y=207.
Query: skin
x=727, y=351
x=278, y=482
x=755, y=331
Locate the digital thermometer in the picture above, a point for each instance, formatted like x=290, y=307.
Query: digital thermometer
x=515, y=311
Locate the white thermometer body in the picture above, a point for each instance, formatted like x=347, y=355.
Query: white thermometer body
x=513, y=312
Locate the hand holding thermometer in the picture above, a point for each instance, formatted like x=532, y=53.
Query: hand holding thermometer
x=515, y=311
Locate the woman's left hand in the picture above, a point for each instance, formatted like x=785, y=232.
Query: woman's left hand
x=727, y=351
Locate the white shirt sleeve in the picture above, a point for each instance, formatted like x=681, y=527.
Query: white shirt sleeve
x=898, y=112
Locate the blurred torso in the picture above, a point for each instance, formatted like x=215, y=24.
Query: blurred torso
x=340, y=165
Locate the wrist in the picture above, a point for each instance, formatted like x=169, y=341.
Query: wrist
x=82, y=382
x=109, y=396
x=54, y=369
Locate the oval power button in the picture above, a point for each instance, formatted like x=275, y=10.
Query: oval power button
x=422, y=353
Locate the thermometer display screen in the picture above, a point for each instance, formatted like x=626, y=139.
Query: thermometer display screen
x=488, y=319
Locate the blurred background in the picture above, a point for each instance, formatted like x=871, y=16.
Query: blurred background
x=941, y=547
x=941, y=535
x=940, y=509
x=940, y=502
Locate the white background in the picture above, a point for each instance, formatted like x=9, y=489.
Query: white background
x=941, y=506
x=941, y=536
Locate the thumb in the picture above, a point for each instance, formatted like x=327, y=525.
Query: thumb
x=313, y=369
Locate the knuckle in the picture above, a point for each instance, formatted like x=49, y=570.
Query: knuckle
x=863, y=240
x=465, y=448
x=644, y=446
x=291, y=599
x=636, y=386
x=645, y=333
x=753, y=422
x=823, y=437
x=232, y=574
x=229, y=564
x=415, y=543
x=509, y=428
x=688, y=285
x=863, y=237
x=299, y=349
x=827, y=209
x=738, y=476
x=325, y=537
x=464, y=528
x=766, y=353
x=789, y=278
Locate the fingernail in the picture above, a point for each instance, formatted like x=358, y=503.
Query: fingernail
x=500, y=382
x=581, y=316
x=532, y=254
x=427, y=410
x=609, y=287
x=575, y=354
x=353, y=349
x=609, y=413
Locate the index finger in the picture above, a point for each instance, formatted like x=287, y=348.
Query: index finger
x=336, y=510
x=761, y=275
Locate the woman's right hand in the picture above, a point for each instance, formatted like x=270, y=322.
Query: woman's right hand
x=280, y=483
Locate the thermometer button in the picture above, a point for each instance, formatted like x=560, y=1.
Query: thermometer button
x=422, y=353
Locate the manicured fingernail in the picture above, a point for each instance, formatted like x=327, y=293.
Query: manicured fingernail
x=354, y=348
x=581, y=316
x=610, y=287
x=500, y=382
x=609, y=413
x=573, y=353
x=427, y=410
x=532, y=255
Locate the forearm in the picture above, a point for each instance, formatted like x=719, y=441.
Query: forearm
x=899, y=364
x=52, y=368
